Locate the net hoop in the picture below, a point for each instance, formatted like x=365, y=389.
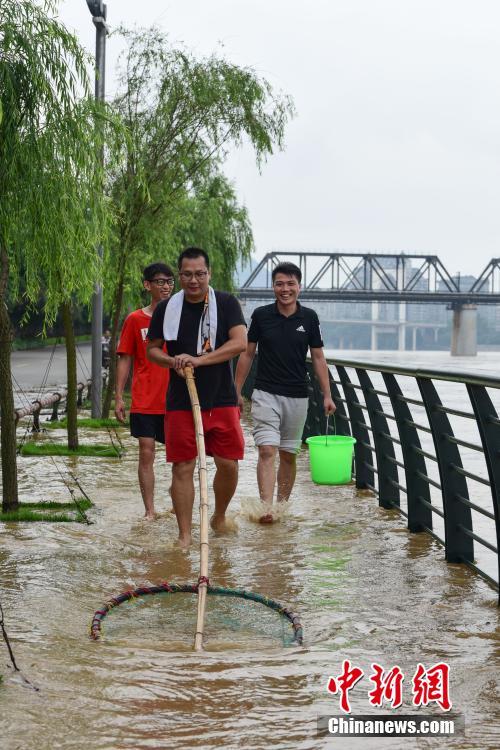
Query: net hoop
x=176, y=588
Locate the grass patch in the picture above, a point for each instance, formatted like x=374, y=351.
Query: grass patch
x=61, y=449
x=51, y=512
x=85, y=422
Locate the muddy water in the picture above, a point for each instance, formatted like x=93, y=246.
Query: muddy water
x=366, y=590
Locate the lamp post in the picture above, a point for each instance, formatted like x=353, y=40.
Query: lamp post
x=98, y=11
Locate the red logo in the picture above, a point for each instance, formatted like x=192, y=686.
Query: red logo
x=432, y=685
x=428, y=685
x=388, y=686
x=345, y=682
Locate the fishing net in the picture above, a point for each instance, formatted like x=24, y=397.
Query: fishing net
x=234, y=618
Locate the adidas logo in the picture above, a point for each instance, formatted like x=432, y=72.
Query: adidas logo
x=301, y=329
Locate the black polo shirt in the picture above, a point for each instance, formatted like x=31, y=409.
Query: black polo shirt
x=214, y=383
x=283, y=344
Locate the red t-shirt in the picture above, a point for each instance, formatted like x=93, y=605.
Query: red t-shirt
x=149, y=381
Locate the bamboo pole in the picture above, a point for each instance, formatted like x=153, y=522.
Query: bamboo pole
x=202, y=472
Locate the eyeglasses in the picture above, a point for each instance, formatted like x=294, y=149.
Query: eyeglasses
x=188, y=275
x=161, y=282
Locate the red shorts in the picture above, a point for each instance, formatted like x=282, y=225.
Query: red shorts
x=223, y=434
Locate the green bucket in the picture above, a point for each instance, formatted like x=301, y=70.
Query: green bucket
x=330, y=458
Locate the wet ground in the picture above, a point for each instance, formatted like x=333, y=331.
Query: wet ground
x=366, y=591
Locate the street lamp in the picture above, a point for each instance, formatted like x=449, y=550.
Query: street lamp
x=98, y=10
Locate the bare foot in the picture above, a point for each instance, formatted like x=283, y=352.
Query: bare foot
x=184, y=542
x=218, y=522
x=222, y=524
x=267, y=517
x=150, y=516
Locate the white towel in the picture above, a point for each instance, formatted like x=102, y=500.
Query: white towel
x=172, y=320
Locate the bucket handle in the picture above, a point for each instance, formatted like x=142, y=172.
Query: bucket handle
x=334, y=427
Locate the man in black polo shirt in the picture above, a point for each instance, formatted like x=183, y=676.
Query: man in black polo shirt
x=284, y=331
x=203, y=329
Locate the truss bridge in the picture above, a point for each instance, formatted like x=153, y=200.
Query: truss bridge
x=378, y=278
x=375, y=277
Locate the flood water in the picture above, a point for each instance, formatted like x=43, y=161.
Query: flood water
x=366, y=590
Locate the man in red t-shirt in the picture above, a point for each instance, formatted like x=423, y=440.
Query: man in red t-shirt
x=149, y=381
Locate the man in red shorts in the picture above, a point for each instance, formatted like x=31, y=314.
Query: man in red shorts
x=203, y=329
x=149, y=382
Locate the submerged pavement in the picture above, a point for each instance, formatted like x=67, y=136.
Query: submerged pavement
x=367, y=591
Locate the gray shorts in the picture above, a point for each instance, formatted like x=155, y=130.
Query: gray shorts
x=278, y=420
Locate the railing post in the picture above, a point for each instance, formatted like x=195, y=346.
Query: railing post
x=36, y=417
x=54, y=416
x=459, y=546
x=489, y=430
x=419, y=514
x=363, y=450
x=388, y=491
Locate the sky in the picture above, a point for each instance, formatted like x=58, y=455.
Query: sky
x=396, y=142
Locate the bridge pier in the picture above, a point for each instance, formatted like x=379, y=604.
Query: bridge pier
x=464, y=330
x=401, y=337
x=397, y=326
x=414, y=339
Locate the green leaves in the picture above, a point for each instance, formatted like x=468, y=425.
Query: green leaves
x=52, y=210
x=182, y=115
x=164, y=139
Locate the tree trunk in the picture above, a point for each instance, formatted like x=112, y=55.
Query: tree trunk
x=72, y=397
x=10, y=500
x=115, y=322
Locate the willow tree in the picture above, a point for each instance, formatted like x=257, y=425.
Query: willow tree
x=181, y=113
x=214, y=218
x=51, y=206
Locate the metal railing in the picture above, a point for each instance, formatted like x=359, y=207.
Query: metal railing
x=54, y=400
x=408, y=454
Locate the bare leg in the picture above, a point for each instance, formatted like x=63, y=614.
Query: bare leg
x=147, y=475
x=172, y=509
x=182, y=492
x=266, y=477
x=266, y=472
x=286, y=475
x=225, y=482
